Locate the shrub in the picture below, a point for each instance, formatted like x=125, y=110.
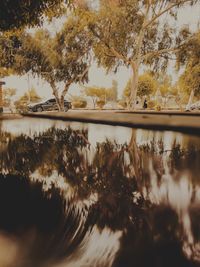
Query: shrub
x=79, y=104
x=100, y=103
x=21, y=106
x=151, y=104
x=158, y=108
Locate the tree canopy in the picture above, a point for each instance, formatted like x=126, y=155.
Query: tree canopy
x=96, y=94
x=132, y=33
x=102, y=95
x=146, y=86
x=8, y=93
x=18, y=13
x=99, y=33
x=189, y=57
x=63, y=58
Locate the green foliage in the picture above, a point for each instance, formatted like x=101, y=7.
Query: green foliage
x=96, y=92
x=190, y=52
x=151, y=104
x=4, y=72
x=78, y=102
x=190, y=80
x=8, y=93
x=190, y=57
x=33, y=96
x=19, y=13
x=100, y=103
x=132, y=33
x=60, y=58
x=30, y=97
x=9, y=45
x=165, y=84
x=101, y=95
x=116, y=46
x=146, y=86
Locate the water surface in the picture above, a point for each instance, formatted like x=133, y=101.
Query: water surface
x=85, y=195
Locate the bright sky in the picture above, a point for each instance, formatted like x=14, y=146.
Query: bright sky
x=98, y=76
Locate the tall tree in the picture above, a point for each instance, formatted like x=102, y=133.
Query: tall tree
x=60, y=59
x=133, y=33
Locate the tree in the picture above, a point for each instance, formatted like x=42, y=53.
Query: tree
x=27, y=98
x=20, y=13
x=4, y=72
x=146, y=86
x=60, y=59
x=190, y=80
x=96, y=94
x=33, y=96
x=189, y=57
x=101, y=95
x=132, y=33
x=8, y=93
x=165, y=84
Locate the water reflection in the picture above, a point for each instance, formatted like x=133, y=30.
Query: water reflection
x=76, y=194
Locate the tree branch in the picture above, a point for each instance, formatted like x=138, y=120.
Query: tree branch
x=118, y=55
x=167, y=50
x=169, y=7
x=112, y=49
x=80, y=77
x=106, y=54
x=160, y=52
x=141, y=34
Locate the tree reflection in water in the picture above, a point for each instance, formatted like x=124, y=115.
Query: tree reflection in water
x=66, y=201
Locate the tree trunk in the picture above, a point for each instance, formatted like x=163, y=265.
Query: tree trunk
x=190, y=99
x=62, y=105
x=94, y=102
x=1, y=99
x=55, y=93
x=134, y=86
x=62, y=97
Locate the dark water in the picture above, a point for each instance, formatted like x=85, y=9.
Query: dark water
x=83, y=195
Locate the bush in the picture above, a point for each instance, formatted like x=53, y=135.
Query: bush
x=158, y=108
x=151, y=104
x=79, y=104
x=100, y=103
x=21, y=106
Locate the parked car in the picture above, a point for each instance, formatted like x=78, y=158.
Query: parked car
x=195, y=106
x=48, y=105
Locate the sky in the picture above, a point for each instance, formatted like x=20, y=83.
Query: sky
x=98, y=76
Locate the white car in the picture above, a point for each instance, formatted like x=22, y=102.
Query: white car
x=195, y=106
